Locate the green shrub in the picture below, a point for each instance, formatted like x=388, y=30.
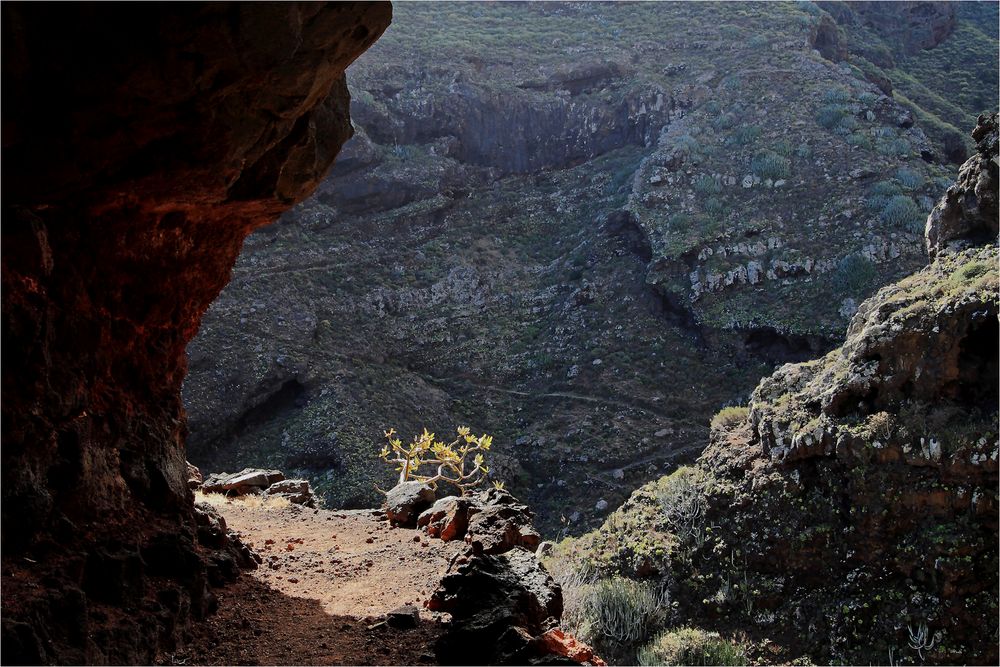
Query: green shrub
x=854, y=274
x=859, y=139
x=831, y=116
x=909, y=178
x=725, y=121
x=691, y=646
x=706, y=185
x=679, y=223
x=732, y=82
x=726, y=418
x=902, y=212
x=715, y=207
x=837, y=95
x=894, y=148
x=687, y=144
x=868, y=99
x=783, y=147
x=879, y=195
x=744, y=135
x=768, y=164
x=617, y=613
x=803, y=151
x=683, y=497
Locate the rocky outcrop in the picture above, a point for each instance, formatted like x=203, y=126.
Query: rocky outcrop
x=879, y=462
x=149, y=141
x=499, y=605
x=853, y=509
x=492, y=522
x=248, y=480
x=968, y=212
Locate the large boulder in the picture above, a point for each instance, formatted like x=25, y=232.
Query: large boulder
x=405, y=502
x=448, y=518
x=501, y=524
x=248, y=480
x=297, y=491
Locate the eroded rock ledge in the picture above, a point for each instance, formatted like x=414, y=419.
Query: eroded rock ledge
x=142, y=143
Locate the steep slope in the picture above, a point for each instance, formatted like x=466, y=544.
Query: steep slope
x=582, y=228
x=932, y=57
x=142, y=143
x=850, y=514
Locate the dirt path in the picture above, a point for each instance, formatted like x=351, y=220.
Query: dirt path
x=327, y=580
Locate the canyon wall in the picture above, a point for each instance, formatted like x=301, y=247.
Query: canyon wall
x=142, y=143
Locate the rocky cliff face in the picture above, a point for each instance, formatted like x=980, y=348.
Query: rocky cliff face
x=148, y=141
x=852, y=515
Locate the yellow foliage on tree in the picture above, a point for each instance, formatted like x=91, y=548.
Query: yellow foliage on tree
x=452, y=459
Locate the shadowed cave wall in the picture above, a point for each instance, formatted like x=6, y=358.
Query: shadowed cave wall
x=141, y=144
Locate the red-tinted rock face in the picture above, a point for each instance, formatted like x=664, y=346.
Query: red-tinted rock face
x=141, y=144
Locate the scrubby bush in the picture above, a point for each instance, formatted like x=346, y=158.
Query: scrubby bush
x=854, y=274
x=687, y=144
x=783, y=147
x=768, y=164
x=715, y=207
x=909, y=178
x=803, y=151
x=902, y=212
x=706, y=185
x=616, y=614
x=691, y=646
x=832, y=116
x=858, y=139
x=868, y=99
x=837, y=95
x=683, y=497
x=744, y=135
x=450, y=461
x=895, y=148
x=732, y=82
x=879, y=195
x=729, y=417
x=725, y=121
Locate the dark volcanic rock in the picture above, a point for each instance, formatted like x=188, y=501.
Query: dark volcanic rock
x=499, y=606
x=448, y=518
x=501, y=524
x=967, y=214
x=149, y=140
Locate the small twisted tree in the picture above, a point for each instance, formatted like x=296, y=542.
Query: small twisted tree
x=459, y=462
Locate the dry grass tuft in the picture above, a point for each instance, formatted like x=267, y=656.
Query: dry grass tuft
x=250, y=501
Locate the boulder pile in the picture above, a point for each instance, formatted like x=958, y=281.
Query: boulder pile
x=252, y=481
x=504, y=605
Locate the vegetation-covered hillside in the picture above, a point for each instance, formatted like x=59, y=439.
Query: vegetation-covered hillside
x=583, y=228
